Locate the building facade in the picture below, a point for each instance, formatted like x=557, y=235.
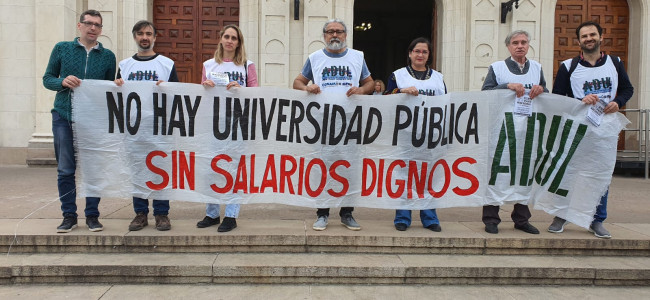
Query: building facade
x=279, y=35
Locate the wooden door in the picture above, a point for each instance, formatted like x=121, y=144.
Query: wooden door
x=612, y=15
x=188, y=31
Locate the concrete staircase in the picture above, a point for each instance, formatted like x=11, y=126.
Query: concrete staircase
x=288, y=251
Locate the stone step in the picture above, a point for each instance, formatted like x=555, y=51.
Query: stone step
x=323, y=268
x=210, y=291
x=42, y=140
x=296, y=236
x=318, y=292
x=41, y=162
x=40, y=151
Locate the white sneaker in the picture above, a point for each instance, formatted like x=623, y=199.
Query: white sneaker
x=320, y=224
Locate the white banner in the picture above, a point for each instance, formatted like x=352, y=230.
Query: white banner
x=186, y=142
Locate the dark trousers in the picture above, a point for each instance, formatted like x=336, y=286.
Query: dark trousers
x=520, y=214
x=326, y=211
x=160, y=207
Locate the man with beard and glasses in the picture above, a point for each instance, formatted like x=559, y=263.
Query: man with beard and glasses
x=147, y=65
x=593, y=77
x=335, y=69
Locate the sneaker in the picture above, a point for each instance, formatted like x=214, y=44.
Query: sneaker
x=67, y=225
x=321, y=223
x=599, y=230
x=227, y=225
x=207, y=222
x=557, y=226
x=349, y=222
x=434, y=227
x=139, y=222
x=528, y=228
x=163, y=223
x=401, y=226
x=93, y=224
x=491, y=228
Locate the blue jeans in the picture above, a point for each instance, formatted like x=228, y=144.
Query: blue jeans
x=601, y=210
x=160, y=207
x=66, y=166
x=427, y=216
x=212, y=210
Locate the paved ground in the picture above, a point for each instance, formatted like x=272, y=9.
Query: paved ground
x=33, y=191
x=271, y=292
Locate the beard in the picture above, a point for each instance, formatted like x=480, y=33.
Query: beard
x=145, y=48
x=596, y=47
x=335, y=44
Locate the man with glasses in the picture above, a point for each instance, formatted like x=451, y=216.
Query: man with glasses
x=70, y=63
x=335, y=69
x=521, y=75
x=147, y=65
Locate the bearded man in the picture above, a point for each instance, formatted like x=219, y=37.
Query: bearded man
x=593, y=77
x=147, y=65
x=335, y=69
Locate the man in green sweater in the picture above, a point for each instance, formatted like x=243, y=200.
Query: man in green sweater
x=70, y=63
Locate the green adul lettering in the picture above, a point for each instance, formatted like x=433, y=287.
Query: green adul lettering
x=546, y=162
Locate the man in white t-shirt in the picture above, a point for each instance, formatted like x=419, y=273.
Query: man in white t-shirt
x=593, y=77
x=519, y=74
x=335, y=69
x=147, y=65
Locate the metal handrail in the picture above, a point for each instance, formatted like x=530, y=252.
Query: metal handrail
x=643, y=128
x=647, y=138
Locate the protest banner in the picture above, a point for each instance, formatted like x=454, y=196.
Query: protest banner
x=187, y=142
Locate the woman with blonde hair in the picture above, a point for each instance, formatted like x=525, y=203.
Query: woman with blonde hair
x=228, y=68
x=380, y=87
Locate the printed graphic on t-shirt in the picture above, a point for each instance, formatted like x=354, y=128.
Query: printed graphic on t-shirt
x=598, y=86
x=143, y=75
x=427, y=92
x=337, y=76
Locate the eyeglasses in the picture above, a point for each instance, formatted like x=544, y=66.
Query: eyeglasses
x=332, y=32
x=91, y=24
x=418, y=52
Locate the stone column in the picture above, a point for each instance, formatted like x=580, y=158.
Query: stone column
x=454, y=57
x=274, y=36
x=54, y=21
x=638, y=65
x=124, y=14
x=249, y=23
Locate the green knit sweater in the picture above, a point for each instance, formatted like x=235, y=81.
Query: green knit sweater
x=71, y=58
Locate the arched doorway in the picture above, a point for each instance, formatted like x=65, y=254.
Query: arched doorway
x=394, y=24
x=612, y=15
x=188, y=31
